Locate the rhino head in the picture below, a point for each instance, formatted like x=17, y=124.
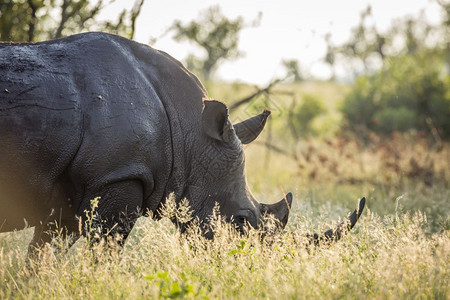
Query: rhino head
x=218, y=172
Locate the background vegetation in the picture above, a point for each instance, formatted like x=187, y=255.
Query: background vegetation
x=383, y=135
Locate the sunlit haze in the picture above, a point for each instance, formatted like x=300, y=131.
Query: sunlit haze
x=288, y=30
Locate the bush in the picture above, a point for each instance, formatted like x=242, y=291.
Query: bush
x=395, y=119
x=409, y=92
x=303, y=115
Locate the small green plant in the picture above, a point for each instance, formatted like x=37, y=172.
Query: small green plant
x=173, y=289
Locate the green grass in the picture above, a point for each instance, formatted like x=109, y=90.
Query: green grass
x=399, y=249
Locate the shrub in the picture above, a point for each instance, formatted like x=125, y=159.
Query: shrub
x=395, y=119
x=409, y=92
x=303, y=115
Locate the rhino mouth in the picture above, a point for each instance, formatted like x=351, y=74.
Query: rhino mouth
x=280, y=212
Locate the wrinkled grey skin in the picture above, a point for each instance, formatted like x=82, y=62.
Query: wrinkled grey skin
x=95, y=114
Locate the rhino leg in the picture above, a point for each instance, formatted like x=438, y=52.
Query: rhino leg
x=45, y=233
x=118, y=208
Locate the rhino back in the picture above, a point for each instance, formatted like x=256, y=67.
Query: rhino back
x=126, y=130
x=76, y=113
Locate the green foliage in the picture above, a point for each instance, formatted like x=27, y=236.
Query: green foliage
x=303, y=115
x=215, y=34
x=172, y=289
x=18, y=19
x=368, y=47
x=395, y=119
x=36, y=20
x=410, y=92
x=406, y=80
x=359, y=107
x=364, y=44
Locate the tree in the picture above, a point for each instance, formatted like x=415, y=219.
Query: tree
x=408, y=90
x=18, y=19
x=215, y=34
x=293, y=71
x=30, y=20
x=364, y=49
x=367, y=48
x=446, y=28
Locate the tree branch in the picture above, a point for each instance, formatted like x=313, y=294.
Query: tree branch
x=134, y=14
x=64, y=18
x=32, y=24
x=256, y=94
x=95, y=10
x=274, y=148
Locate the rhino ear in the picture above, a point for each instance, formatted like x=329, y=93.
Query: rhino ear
x=215, y=121
x=249, y=129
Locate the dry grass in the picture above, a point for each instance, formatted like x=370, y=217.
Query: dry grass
x=384, y=258
x=336, y=172
x=399, y=249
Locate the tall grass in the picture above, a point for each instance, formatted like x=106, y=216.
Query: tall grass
x=400, y=247
x=387, y=257
x=335, y=172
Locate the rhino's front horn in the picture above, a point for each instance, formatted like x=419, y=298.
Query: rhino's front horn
x=280, y=210
x=335, y=234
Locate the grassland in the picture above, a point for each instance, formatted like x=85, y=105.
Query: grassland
x=400, y=248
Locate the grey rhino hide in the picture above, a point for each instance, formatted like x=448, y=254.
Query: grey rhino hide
x=97, y=115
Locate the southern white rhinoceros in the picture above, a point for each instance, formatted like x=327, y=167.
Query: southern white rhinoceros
x=95, y=114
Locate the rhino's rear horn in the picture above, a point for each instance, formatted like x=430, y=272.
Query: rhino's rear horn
x=249, y=129
x=335, y=234
x=280, y=210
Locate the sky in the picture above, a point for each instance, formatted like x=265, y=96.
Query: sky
x=289, y=29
